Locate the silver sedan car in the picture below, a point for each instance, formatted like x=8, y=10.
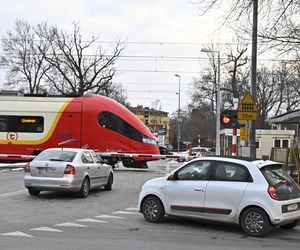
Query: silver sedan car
x=67, y=169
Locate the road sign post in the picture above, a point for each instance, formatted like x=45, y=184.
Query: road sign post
x=247, y=112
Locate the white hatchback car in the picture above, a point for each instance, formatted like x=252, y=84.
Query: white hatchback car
x=67, y=169
x=255, y=194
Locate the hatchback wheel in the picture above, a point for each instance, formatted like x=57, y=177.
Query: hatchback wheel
x=290, y=225
x=255, y=222
x=108, y=186
x=85, y=188
x=34, y=192
x=153, y=209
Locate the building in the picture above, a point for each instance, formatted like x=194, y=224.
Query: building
x=156, y=120
x=266, y=139
x=287, y=121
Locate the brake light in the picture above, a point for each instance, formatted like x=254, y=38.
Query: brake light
x=27, y=168
x=272, y=192
x=69, y=169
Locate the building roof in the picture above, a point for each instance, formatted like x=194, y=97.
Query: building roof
x=291, y=117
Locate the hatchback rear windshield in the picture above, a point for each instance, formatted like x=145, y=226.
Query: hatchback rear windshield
x=284, y=184
x=56, y=155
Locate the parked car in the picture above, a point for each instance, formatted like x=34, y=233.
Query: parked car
x=257, y=195
x=67, y=169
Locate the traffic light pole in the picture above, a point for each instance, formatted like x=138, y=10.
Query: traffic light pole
x=218, y=107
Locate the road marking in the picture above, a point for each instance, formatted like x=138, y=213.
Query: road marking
x=132, y=209
x=109, y=216
x=92, y=220
x=70, y=224
x=12, y=193
x=123, y=212
x=17, y=233
x=46, y=229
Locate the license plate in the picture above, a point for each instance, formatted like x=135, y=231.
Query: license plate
x=46, y=170
x=292, y=207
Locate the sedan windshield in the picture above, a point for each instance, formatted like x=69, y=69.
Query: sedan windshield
x=56, y=155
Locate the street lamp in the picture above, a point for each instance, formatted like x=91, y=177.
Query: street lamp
x=218, y=99
x=178, y=122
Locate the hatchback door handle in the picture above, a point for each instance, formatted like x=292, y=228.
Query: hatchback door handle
x=199, y=189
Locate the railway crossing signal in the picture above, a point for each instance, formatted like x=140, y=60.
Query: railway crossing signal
x=228, y=119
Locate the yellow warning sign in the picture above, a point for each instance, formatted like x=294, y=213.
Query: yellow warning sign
x=243, y=134
x=247, y=109
x=247, y=104
x=249, y=116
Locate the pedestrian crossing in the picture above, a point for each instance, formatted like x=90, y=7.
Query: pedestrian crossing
x=79, y=223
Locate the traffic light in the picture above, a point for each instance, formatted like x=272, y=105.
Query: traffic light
x=228, y=119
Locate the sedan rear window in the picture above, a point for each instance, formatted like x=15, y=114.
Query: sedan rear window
x=277, y=177
x=56, y=155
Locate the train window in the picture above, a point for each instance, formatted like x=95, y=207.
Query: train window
x=25, y=124
x=3, y=124
x=111, y=121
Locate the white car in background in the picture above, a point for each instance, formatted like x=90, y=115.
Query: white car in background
x=195, y=152
x=257, y=195
x=67, y=169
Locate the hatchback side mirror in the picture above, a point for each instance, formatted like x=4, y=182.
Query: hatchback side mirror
x=173, y=177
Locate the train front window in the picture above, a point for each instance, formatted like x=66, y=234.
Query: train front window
x=110, y=121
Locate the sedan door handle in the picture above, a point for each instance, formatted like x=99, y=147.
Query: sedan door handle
x=88, y=167
x=199, y=189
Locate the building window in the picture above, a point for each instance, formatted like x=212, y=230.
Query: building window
x=257, y=143
x=285, y=143
x=277, y=143
x=281, y=143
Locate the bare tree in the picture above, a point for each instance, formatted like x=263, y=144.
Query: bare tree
x=233, y=81
x=234, y=64
x=26, y=66
x=76, y=68
x=278, y=20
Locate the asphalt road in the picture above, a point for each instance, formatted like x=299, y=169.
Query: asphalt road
x=110, y=220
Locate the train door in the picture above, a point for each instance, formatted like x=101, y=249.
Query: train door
x=68, y=132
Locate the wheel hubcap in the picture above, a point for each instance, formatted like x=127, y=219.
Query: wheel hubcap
x=151, y=210
x=85, y=188
x=254, y=222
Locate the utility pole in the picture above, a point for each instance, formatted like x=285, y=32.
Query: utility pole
x=179, y=117
x=253, y=74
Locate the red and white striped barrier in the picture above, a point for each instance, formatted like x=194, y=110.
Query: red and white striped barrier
x=155, y=156
x=110, y=154
x=17, y=156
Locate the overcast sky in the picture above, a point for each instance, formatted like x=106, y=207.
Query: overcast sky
x=164, y=38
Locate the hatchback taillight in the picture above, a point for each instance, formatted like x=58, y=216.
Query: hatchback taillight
x=273, y=193
x=69, y=169
x=27, y=168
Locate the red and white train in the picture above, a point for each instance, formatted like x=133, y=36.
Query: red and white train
x=30, y=124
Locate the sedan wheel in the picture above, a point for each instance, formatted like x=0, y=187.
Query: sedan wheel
x=34, y=192
x=108, y=186
x=255, y=222
x=153, y=209
x=85, y=188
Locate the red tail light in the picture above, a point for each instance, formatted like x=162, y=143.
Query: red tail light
x=272, y=192
x=27, y=168
x=69, y=169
